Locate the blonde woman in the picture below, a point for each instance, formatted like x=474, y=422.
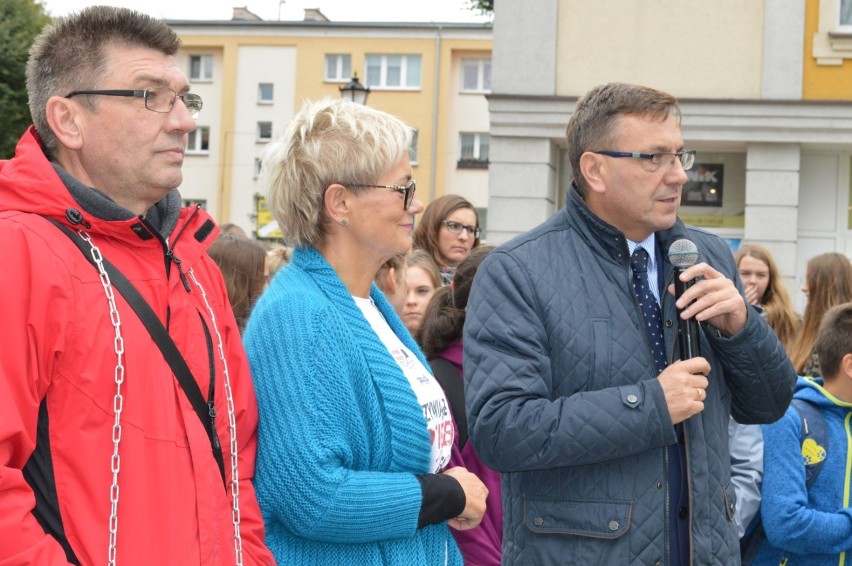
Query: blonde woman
x=354, y=435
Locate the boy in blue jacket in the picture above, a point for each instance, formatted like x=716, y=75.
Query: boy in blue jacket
x=812, y=526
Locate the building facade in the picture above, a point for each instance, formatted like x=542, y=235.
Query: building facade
x=254, y=75
x=766, y=94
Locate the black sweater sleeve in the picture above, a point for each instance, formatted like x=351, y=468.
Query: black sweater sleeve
x=443, y=498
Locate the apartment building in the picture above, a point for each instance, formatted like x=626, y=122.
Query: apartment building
x=766, y=92
x=254, y=75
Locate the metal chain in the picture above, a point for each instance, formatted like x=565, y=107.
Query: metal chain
x=118, y=400
x=118, y=405
x=232, y=430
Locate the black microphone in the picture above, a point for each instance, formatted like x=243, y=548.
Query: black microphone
x=683, y=254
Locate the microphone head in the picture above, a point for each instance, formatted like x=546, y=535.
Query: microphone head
x=683, y=253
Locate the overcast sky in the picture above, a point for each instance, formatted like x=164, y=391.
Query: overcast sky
x=335, y=10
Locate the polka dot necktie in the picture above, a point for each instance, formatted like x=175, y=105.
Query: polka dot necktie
x=650, y=308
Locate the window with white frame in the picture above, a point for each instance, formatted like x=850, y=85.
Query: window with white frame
x=474, y=150
x=393, y=71
x=198, y=140
x=414, y=148
x=201, y=67
x=476, y=75
x=265, y=93
x=844, y=15
x=832, y=42
x=264, y=131
x=258, y=165
x=338, y=67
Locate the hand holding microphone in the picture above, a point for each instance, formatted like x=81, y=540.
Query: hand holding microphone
x=702, y=294
x=707, y=295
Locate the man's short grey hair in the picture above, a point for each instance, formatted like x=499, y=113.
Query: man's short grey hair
x=71, y=55
x=592, y=126
x=328, y=142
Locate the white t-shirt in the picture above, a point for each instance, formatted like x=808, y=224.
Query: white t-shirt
x=429, y=394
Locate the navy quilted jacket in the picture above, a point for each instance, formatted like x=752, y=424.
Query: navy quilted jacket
x=562, y=398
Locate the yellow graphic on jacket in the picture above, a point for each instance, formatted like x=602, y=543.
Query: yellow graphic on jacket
x=812, y=452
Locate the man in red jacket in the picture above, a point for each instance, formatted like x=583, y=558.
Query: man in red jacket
x=103, y=457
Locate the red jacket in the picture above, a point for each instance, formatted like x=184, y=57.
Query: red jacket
x=57, y=389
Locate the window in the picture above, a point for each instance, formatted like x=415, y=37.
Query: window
x=258, y=164
x=482, y=215
x=845, y=15
x=201, y=67
x=832, y=42
x=393, y=71
x=474, y=151
x=265, y=93
x=338, y=68
x=476, y=75
x=414, y=147
x=198, y=140
x=264, y=131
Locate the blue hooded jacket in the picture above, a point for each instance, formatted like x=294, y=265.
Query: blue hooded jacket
x=809, y=528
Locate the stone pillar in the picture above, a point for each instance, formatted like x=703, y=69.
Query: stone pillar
x=772, y=201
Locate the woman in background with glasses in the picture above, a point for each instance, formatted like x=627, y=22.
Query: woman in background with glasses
x=448, y=231
x=354, y=433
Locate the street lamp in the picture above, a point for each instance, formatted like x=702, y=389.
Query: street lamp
x=355, y=91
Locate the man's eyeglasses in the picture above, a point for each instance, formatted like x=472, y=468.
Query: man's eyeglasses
x=458, y=227
x=654, y=160
x=156, y=99
x=406, y=190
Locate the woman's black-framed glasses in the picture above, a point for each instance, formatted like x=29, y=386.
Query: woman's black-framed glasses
x=159, y=99
x=458, y=227
x=406, y=190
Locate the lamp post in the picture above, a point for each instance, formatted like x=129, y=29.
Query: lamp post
x=355, y=91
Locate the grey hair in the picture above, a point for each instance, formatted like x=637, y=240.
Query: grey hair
x=592, y=126
x=328, y=142
x=70, y=55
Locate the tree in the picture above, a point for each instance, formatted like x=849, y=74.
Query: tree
x=20, y=22
x=484, y=6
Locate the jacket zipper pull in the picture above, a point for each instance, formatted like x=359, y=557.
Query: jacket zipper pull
x=212, y=412
x=177, y=262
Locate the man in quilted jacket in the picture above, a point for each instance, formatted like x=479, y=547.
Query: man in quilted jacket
x=613, y=449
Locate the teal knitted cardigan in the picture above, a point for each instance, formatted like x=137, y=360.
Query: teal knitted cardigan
x=341, y=435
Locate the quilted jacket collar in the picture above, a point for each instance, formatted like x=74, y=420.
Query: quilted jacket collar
x=613, y=239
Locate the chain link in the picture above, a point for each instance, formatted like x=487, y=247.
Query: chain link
x=118, y=406
x=118, y=400
x=232, y=429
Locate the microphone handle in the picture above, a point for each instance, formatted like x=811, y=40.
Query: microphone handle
x=688, y=333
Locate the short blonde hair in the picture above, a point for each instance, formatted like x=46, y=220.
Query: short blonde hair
x=329, y=141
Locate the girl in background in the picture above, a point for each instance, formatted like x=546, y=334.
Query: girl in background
x=421, y=278
x=441, y=339
x=828, y=282
x=244, y=268
x=764, y=288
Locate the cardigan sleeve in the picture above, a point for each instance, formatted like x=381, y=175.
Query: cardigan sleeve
x=320, y=469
